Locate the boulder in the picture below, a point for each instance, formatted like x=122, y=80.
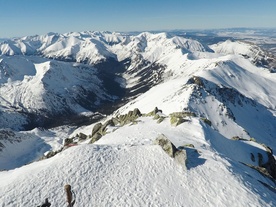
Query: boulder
x=96, y=137
x=96, y=128
x=68, y=141
x=137, y=113
x=179, y=155
x=154, y=112
x=109, y=122
x=166, y=145
x=82, y=136
x=130, y=117
x=115, y=121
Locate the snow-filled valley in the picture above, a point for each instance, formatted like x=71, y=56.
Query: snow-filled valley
x=86, y=109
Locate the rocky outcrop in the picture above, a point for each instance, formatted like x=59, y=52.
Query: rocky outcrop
x=68, y=141
x=179, y=155
x=270, y=165
x=82, y=136
x=95, y=138
x=206, y=121
x=157, y=115
x=177, y=118
x=265, y=168
x=130, y=117
x=100, y=129
x=154, y=112
x=196, y=80
x=166, y=145
x=97, y=127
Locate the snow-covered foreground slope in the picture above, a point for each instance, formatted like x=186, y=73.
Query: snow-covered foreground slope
x=124, y=168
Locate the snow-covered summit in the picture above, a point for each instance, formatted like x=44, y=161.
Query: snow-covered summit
x=92, y=47
x=246, y=49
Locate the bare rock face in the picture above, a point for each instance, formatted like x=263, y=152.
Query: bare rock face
x=96, y=128
x=270, y=165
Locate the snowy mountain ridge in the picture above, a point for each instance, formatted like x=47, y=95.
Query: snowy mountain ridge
x=215, y=102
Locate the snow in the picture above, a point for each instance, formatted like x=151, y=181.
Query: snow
x=124, y=168
x=37, y=85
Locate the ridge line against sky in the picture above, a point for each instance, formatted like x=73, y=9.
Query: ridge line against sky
x=30, y=17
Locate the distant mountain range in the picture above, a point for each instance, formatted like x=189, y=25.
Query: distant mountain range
x=71, y=74
x=212, y=96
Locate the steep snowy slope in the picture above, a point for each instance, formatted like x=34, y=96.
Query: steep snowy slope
x=42, y=89
x=19, y=148
x=149, y=55
x=251, y=51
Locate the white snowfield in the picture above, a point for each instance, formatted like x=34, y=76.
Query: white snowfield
x=124, y=168
x=218, y=83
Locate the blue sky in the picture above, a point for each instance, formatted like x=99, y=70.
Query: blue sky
x=30, y=17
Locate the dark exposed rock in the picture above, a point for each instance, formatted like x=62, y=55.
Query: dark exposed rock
x=260, y=159
x=270, y=165
x=68, y=141
x=82, y=136
x=238, y=138
x=52, y=153
x=115, y=121
x=265, y=168
x=196, y=80
x=206, y=121
x=109, y=122
x=252, y=157
x=154, y=112
x=96, y=128
x=136, y=112
x=157, y=115
x=160, y=119
x=95, y=138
